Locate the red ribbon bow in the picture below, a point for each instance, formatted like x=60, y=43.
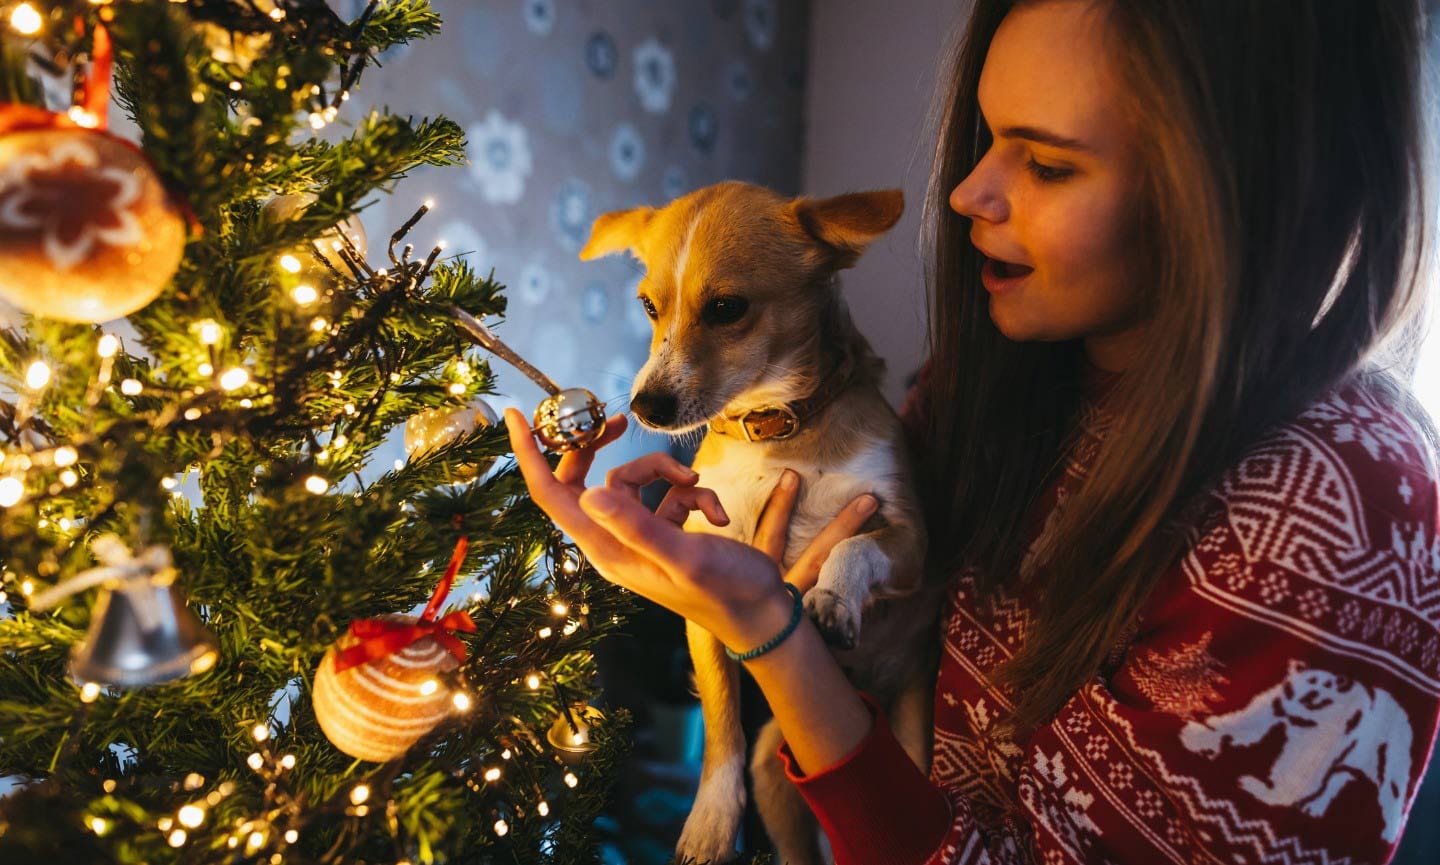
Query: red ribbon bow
x=381, y=637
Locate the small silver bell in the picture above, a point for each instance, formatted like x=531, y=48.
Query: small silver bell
x=570, y=735
x=570, y=419
x=141, y=633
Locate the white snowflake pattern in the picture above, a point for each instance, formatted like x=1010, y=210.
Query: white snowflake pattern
x=571, y=212
x=536, y=283
x=627, y=152
x=1274, y=588
x=673, y=182
x=654, y=75
x=30, y=202
x=1313, y=603
x=500, y=158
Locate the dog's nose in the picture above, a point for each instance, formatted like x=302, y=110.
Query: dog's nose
x=655, y=408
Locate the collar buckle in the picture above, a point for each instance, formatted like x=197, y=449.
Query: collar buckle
x=771, y=422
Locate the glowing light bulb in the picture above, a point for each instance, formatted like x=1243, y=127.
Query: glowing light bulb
x=319, y=324
x=317, y=485
x=26, y=20
x=210, y=332
x=177, y=838
x=304, y=294
x=492, y=774
x=66, y=456
x=205, y=369
x=69, y=478
x=260, y=732
x=428, y=687
x=99, y=825
x=255, y=761
x=107, y=346
x=37, y=375
x=559, y=608
x=533, y=680
x=11, y=491
x=290, y=263
x=235, y=377
x=542, y=808
x=291, y=836
x=287, y=761
x=456, y=388
x=191, y=816
x=501, y=827
x=131, y=387
x=545, y=633
x=571, y=780
x=461, y=701
x=359, y=794
x=89, y=692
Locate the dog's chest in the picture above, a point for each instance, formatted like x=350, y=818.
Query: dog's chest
x=743, y=475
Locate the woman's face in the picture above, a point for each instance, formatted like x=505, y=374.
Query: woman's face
x=1053, y=202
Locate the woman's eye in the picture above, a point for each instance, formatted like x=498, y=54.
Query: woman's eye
x=725, y=310
x=1048, y=173
x=649, y=308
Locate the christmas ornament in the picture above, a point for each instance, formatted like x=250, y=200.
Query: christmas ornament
x=436, y=427
x=378, y=689
x=300, y=264
x=570, y=735
x=88, y=233
x=565, y=420
x=141, y=632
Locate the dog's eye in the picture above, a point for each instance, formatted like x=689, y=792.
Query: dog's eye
x=649, y=308
x=725, y=310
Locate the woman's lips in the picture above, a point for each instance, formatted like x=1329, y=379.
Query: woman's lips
x=1000, y=276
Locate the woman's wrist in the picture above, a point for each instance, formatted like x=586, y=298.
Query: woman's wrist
x=752, y=625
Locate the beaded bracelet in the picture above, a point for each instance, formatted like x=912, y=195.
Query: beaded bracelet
x=778, y=638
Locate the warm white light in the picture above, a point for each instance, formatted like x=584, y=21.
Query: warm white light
x=429, y=204
x=456, y=388
x=292, y=836
x=99, y=825
x=542, y=808
x=277, y=14
x=570, y=628
x=194, y=781
x=131, y=387
x=461, y=701
x=177, y=838
x=235, y=377
x=492, y=774
x=191, y=816
x=304, y=294
x=88, y=692
x=255, y=761
x=11, y=491
x=505, y=754
x=27, y=588
x=235, y=85
x=69, y=478
x=317, y=120
x=109, y=785
x=339, y=441
x=533, y=680
x=37, y=375
x=290, y=263
x=570, y=566
x=192, y=414
x=317, y=484
x=107, y=346
x=26, y=19
x=82, y=118
x=559, y=608
x=255, y=841
x=210, y=332
x=287, y=761
x=545, y=633
x=260, y=732
x=571, y=780
x=205, y=368
x=428, y=687
x=168, y=483
x=501, y=827
x=318, y=324
x=66, y=456
x=359, y=794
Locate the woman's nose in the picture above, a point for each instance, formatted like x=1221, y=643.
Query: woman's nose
x=979, y=196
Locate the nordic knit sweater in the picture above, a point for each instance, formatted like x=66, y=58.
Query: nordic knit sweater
x=1277, y=701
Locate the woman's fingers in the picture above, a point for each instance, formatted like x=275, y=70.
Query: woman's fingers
x=774, y=524
x=575, y=464
x=631, y=524
x=545, y=488
x=635, y=474
x=680, y=501
x=806, y=569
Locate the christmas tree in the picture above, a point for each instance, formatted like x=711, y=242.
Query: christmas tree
x=202, y=655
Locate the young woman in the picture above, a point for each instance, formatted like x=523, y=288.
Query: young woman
x=1186, y=516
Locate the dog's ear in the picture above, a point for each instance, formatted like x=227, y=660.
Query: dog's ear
x=848, y=223
x=617, y=232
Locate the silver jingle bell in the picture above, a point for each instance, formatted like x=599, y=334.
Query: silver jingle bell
x=570, y=735
x=570, y=419
x=141, y=633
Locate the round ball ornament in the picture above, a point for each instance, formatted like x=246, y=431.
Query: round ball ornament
x=569, y=419
x=306, y=268
x=437, y=427
x=87, y=231
x=376, y=709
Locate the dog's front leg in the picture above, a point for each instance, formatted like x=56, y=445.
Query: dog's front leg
x=714, y=821
x=855, y=569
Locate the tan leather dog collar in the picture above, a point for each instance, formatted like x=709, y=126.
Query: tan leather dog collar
x=780, y=422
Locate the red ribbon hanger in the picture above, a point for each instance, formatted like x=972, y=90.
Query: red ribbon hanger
x=381, y=637
x=94, y=101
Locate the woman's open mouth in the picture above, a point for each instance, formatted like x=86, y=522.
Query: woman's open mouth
x=998, y=276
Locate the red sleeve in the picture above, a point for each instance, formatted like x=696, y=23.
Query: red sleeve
x=875, y=806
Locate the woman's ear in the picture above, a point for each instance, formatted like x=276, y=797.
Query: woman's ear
x=848, y=223
x=617, y=232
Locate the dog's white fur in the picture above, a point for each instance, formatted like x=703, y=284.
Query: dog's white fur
x=870, y=588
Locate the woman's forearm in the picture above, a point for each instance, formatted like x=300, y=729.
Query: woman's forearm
x=819, y=711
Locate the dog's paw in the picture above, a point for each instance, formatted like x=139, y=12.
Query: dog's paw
x=837, y=619
x=713, y=825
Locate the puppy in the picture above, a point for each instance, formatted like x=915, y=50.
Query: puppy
x=753, y=343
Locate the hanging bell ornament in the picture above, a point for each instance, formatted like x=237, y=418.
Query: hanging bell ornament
x=141, y=632
x=572, y=733
x=566, y=420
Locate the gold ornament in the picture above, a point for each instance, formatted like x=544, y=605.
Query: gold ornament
x=87, y=231
x=437, y=427
x=378, y=709
x=300, y=264
x=571, y=734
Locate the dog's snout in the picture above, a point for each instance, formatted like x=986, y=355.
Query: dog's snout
x=656, y=408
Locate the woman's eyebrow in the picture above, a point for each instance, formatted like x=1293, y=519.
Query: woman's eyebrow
x=1042, y=136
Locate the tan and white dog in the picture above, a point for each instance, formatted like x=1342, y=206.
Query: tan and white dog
x=753, y=340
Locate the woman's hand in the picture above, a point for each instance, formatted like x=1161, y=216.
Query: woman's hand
x=729, y=588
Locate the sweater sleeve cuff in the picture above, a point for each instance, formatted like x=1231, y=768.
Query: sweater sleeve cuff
x=875, y=805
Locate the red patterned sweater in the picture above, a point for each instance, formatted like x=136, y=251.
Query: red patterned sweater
x=1277, y=702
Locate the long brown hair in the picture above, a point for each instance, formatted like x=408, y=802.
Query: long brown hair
x=1285, y=210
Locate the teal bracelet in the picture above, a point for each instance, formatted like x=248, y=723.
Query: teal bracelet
x=778, y=638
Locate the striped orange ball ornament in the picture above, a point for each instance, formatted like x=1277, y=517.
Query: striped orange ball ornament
x=378, y=709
